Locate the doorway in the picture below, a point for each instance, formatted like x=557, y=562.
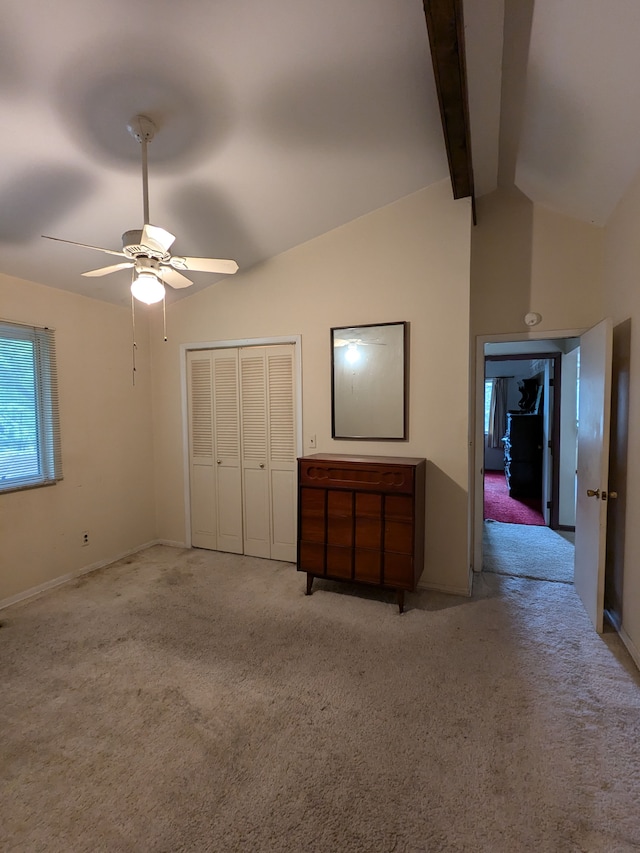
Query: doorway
x=525, y=497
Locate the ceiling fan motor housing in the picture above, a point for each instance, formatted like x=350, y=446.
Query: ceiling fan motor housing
x=142, y=128
x=133, y=248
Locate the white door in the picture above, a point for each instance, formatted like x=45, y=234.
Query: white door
x=201, y=450
x=282, y=452
x=594, y=411
x=214, y=450
x=228, y=480
x=268, y=451
x=255, y=473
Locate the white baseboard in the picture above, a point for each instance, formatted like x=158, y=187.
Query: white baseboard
x=85, y=570
x=448, y=590
x=631, y=647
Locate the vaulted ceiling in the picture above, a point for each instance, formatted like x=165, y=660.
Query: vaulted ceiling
x=280, y=121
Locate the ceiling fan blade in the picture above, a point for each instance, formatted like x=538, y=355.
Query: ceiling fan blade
x=173, y=278
x=204, y=265
x=85, y=246
x=107, y=270
x=156, y=238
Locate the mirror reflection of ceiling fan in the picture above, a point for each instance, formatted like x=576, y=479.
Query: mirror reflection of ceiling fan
x=146, y=252
x=352, y=353
x=359, y=342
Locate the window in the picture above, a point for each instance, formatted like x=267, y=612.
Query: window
x=29, y=430
x=488, y=389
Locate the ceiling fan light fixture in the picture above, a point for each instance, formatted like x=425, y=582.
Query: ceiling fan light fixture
x=147, y=288
x=353, y=353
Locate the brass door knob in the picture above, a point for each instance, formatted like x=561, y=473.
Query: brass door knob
x=593, y=493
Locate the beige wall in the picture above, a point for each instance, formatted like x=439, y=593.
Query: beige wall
x=524, y=258
x=107, y=488
x=408, y=261
x=622, y=302
x=501, y=263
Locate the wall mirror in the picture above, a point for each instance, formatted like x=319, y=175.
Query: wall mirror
x=369, y=381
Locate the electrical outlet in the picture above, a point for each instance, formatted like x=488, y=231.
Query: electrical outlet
x=85, y=538
x=312, y=441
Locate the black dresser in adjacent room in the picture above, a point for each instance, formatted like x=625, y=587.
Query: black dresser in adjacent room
x=523, y=455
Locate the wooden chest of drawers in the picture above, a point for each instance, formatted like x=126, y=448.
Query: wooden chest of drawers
x=523, y=443
x=361, y=518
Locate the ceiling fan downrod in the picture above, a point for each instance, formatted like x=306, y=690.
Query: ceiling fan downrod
x=143, y=129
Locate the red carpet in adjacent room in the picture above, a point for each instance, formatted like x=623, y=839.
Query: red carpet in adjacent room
x=500, y=507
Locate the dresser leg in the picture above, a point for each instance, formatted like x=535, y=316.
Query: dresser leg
x=401, y=600
x=309, y=583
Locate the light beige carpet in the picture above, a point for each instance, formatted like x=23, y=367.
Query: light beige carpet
x=528, y=551
x=193, y=701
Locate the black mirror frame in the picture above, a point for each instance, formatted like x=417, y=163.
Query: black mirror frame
x=405, y=383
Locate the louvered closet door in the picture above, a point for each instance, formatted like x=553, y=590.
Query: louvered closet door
x=282, y=452
x=268, y=451
x=255, y=475
x=228, y=478
x=201, y=455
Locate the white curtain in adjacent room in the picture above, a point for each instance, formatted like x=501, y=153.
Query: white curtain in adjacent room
x=497, y=412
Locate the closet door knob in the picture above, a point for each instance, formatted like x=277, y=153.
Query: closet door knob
x=593, y=493
x=262, y=464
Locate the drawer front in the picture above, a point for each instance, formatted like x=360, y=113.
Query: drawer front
x=312, y=501
x=367, y=566
x=368, y=533
x=357, y=476
x=312, y=515
x=339, y=503
x=398, y=537
x=398, y=507
x=311, y=557
x=340, y=531
x=340, y=518
x=368, y=505
x=368, y=522
x=339, y=562
x=398, y=571
x=312, y=528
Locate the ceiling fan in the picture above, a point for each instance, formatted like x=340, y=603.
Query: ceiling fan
x=350, y=342
x=352, y=352
x=146, y=252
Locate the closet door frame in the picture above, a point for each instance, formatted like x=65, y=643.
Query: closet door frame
x=296, y=340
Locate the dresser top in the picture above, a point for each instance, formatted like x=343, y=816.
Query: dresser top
x=377, y=460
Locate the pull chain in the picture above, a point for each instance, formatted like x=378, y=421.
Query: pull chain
x=164, y=316
x=134, y=346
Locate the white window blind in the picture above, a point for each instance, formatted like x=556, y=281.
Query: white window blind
x=29, y=422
